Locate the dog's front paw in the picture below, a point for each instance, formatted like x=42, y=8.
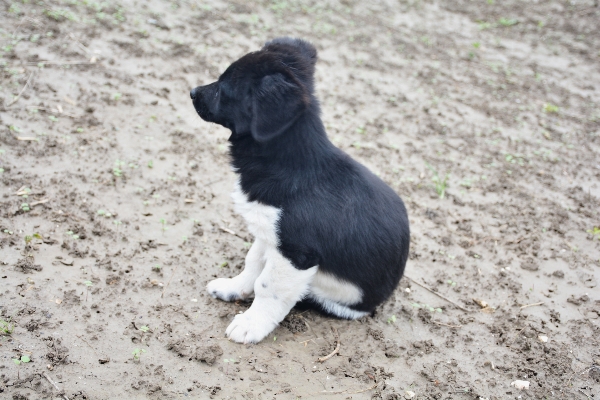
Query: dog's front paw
x=227, y=289
x=249, y=327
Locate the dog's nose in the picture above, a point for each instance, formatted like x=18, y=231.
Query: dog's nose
x=193, y=94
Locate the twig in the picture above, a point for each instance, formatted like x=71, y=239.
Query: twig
x=531, y=305
x=86, y=342
x=346, y=392
x=230, y=232
x=167, y=285
x=64, y=396
x=214, y=28
x=337, y=346
x=449, y=326
x=309, y=327
x=436, y=293
x=35, y=203
x=21, y=92
x=583, y=371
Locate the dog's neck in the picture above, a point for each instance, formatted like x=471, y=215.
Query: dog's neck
x=301, y=149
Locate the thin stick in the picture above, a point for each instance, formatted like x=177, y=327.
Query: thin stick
x=55, y=385
x=86, y=342
x=167, y=285
x=337, y=346
x=531, y=305
x=346, y=392
x=583, y=371
x=21, y=92
x=436, y=293
x=449, y=326
x=230, y=232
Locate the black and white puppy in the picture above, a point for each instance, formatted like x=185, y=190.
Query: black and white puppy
x=328, y=232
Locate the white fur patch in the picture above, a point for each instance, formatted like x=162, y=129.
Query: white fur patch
x=329, y=287
x=242, y=286
x=276, y=283
x=277, y=289
x=262, y=219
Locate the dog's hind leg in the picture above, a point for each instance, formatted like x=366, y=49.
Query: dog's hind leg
x=242, y=286
x=276, y=291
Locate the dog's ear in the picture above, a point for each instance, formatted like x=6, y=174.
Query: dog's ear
x=307, y=51
x=277, y=102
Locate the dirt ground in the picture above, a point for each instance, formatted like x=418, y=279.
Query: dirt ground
x=115, y=208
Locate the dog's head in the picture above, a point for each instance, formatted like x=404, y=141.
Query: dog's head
x=262, y=93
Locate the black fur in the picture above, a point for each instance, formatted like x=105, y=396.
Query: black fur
x=335, y=212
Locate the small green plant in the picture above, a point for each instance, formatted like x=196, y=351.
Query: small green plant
x=25, y=207
x=53, y=118
x=451, y=282
x=156, y=268
x=117, y=96
x=29, y=238
x=185, y=238
x=6, y=327
x=507, y=22
x=150, y=164
x=440, y=185
x=72, y=235
x=117, y=224
x=144, y=328
x=476, y=45
x=550, y=108
x=391, y=320
x=137, y=353
x=595, y=231
x=24, y=359
x=427, y=307
x=163, y=223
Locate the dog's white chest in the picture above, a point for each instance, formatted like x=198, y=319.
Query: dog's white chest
x=262, y=219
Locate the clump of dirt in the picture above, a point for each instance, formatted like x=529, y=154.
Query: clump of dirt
x=27, y=266
x=206, y=353
x=294, y=323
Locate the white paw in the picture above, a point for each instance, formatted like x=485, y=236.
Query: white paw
x=250, y=327
x=228, y=289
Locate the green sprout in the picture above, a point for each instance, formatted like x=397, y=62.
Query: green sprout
x=137, y=353
x=156, y=268
x=440, y=185
x=144, y=328
x=23, y=359
x=29, y=238
x=25, y=207
x=507, y=22
x=595, y=231
x=391, y=319
x=427, y=307
x=6, y=327
x=163, y=222
x=550, y=108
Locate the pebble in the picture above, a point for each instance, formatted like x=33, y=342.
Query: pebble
x=520, y=384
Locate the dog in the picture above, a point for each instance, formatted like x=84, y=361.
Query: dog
x=329, y=234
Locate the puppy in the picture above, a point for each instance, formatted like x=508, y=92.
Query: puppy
x=328, y=232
